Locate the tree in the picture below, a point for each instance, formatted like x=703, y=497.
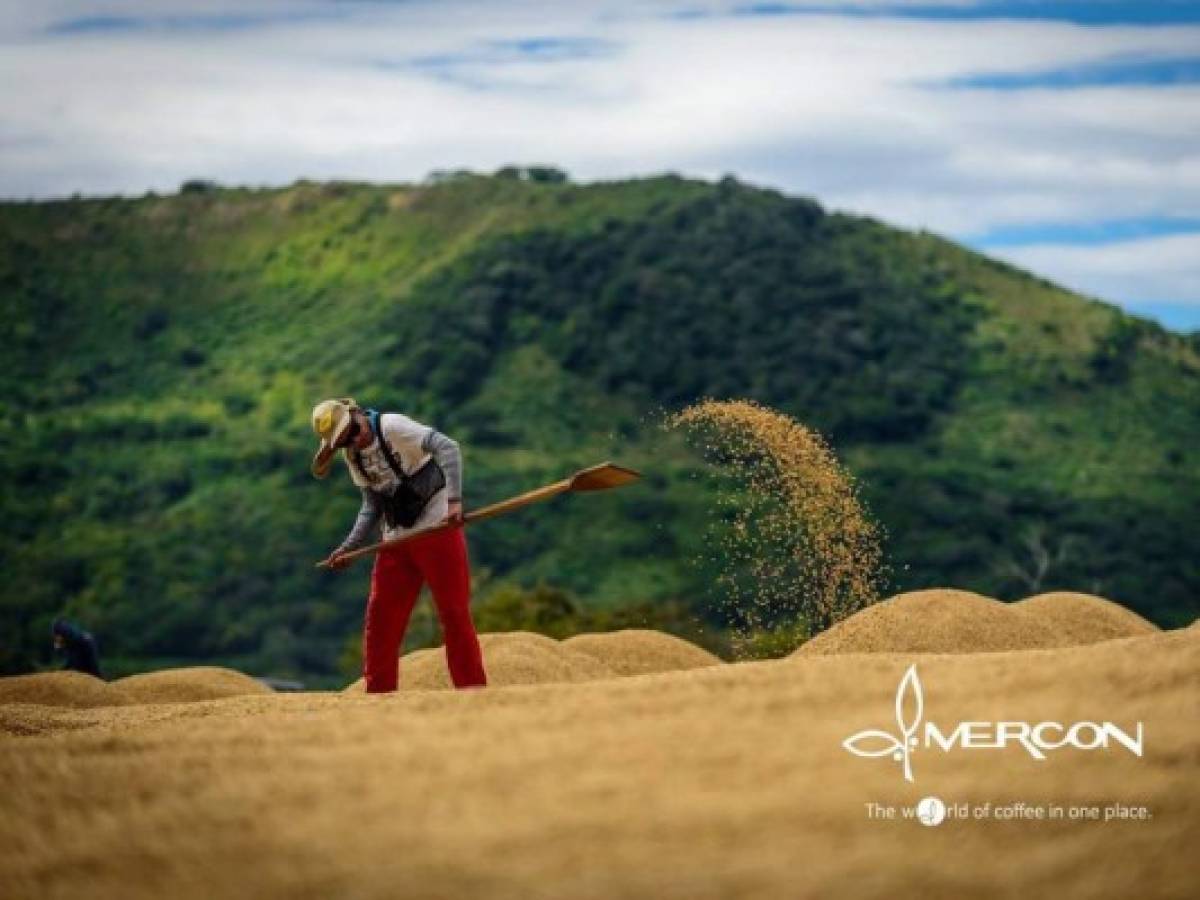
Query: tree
x=1037, y=558
x=198, y=186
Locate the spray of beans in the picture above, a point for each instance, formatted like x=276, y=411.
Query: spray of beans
x=795, y=546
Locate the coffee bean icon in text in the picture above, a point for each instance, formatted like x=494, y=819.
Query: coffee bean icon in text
x=931, y=811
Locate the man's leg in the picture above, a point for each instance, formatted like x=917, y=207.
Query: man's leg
x=395, y=584
x=442, y=559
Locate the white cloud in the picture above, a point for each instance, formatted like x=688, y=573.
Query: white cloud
x=838, y=107
x=1149, y=270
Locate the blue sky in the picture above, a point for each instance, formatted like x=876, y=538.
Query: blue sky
x=1063, y=137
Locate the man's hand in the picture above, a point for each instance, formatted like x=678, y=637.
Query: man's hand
x=336, y=560
x=454, y=513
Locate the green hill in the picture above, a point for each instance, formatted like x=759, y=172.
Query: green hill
x=163, y=353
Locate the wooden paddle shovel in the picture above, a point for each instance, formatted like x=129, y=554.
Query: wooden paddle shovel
x=597, y=478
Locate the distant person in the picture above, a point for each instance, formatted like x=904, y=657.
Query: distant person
x=78, y=646
x=410, y=477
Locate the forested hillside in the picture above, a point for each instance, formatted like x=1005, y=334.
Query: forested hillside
x=162, y=355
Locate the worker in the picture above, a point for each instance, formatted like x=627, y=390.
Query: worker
x=410, y=477
x=77, y=645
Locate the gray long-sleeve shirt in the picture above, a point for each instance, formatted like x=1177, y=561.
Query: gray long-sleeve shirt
x=411, y=443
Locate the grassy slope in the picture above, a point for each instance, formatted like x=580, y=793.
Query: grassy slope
x=163, y=354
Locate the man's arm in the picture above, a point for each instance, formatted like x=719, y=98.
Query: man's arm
x=449, y=457
x=368, y=518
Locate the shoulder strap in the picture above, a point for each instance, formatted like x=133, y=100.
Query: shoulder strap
x=383, y=444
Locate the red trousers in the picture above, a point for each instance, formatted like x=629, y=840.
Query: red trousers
x=441, y=561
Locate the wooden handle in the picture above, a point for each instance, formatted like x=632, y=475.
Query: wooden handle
x=597, y=478
x=486, y=512
x=499, y=509
x=352, y=555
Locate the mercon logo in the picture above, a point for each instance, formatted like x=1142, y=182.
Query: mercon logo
x=1036, y=739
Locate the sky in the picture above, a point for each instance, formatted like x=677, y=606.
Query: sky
x=1062, y=137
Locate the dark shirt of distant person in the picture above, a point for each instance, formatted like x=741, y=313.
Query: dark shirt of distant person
x=78, y=646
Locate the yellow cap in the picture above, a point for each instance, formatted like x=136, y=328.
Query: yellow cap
x=330, y=419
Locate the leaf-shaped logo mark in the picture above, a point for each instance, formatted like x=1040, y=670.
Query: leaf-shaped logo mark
x=910, y=686
x=856, y=744
x=908, y=694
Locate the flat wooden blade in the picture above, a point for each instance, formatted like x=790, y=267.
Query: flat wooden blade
x=602, y=477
